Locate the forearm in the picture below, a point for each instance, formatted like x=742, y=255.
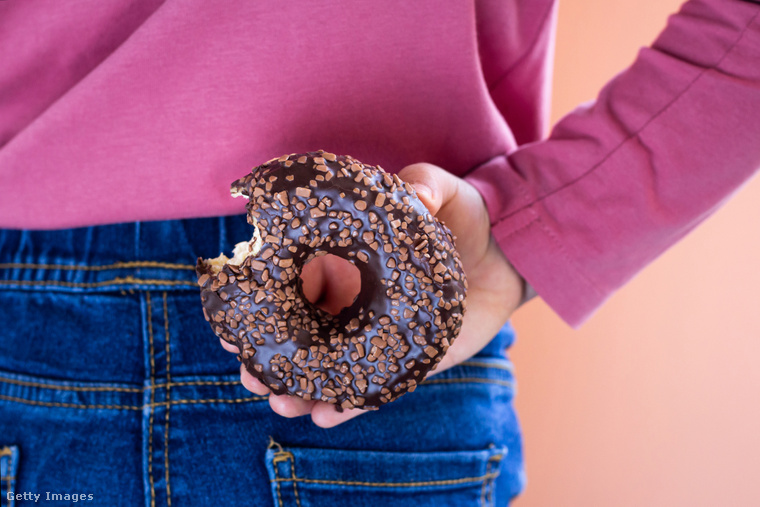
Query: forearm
x=619, y=181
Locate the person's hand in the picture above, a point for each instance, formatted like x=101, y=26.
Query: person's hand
x=495, y=288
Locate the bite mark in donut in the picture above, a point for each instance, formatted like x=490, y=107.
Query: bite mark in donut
x=413, y=288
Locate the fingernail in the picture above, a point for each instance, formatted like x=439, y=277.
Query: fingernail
x=423, y=191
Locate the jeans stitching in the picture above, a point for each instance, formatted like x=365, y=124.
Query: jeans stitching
x=492, y=461
x=168, y=399
x=55, y=387
x=6, y=451
x=127, y=280
x=152, y=400
x=277, y=480
x=69, y=405
x=132, y=407
x=279, y=457
x=295, y=483
x=168, y=385
x=152, y=404
x=10, y=479
x=197, y=383
x=5, y=380
x=485, y=485
x=442, y=482
x=211, y=400
x=104, y=267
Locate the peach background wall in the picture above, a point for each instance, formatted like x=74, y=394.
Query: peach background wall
x=655, y=401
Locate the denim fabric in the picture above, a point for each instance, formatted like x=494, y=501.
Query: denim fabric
x=112, y=386
x=8, y=466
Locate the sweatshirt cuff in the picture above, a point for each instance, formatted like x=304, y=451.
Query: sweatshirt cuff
x=524, y=233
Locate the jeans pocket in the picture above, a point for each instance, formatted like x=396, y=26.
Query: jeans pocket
x=8, y=471
x=304, y=477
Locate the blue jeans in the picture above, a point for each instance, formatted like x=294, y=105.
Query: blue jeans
x=114, y=391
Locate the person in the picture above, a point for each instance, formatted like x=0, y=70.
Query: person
x=122, y=126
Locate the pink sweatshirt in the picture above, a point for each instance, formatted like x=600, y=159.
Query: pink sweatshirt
x=144, y=110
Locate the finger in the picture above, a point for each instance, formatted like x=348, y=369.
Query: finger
x=459, y=351
x=313, y=278
x=229, y=347
x=325, y=415
x=457, y=204
x=492, y=298
x=252, y=383
x=290, y=406
x=434, y=186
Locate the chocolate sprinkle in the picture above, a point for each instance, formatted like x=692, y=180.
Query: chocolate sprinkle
x=398, y=328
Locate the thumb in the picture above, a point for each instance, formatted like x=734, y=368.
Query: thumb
x=434, y=186
x=457, y=204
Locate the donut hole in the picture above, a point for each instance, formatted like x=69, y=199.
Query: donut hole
x=331, y=283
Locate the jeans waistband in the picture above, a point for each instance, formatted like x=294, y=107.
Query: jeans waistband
x=140, y=256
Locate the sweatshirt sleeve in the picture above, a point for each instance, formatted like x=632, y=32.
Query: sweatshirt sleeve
x=620, y=180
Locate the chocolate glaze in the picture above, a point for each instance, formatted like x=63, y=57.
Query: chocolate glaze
x=412, y=295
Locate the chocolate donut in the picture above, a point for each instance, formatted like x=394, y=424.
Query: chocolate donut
x=412, y=297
